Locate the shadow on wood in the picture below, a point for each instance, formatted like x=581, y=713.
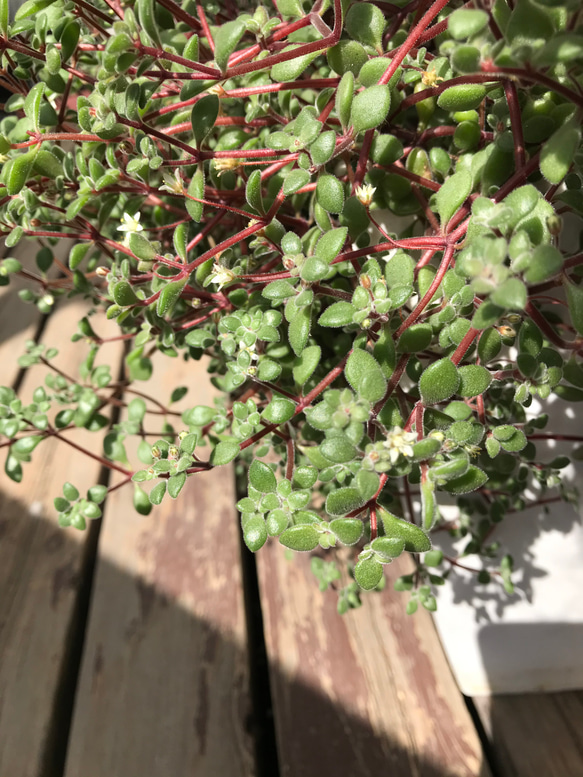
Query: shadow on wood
x=162, y=693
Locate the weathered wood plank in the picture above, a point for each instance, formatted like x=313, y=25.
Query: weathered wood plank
x=364, y=694
x=41, y=570
x=18, y=321
x=164, y=682
x=535, y=734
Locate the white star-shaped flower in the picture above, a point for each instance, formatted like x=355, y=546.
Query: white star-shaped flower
x=130, y=223
x=399, y=443
x=364, y=194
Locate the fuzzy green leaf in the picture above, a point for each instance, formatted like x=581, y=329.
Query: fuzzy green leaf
x=439, y=381
x=300, y=538
x=452, y=195
x=365, y=375
x=370, y=107
x=368, y=573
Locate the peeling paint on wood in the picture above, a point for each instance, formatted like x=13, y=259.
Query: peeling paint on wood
x=372, y=687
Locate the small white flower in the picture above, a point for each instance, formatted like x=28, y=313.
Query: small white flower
x=364, y=194
x=221, y=275
x=399, y=443
x=130, y=223
x=173, y=184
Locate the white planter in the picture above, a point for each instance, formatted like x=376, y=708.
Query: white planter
x=533, y=640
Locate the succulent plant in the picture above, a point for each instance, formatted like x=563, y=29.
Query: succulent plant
x=354, y=210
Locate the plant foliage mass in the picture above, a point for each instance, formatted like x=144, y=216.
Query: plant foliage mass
x=353, y=211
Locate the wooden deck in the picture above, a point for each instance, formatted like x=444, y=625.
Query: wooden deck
x=137, y=649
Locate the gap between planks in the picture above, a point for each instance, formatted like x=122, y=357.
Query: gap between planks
x=43, y=568
x=164, y=686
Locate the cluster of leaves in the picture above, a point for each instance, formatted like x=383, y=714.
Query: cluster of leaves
x=353, y=210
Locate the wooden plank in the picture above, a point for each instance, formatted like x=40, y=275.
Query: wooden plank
x=535, y=734
x=41, y=571
x=367, y=693
x=18, y=321
x=164, y=682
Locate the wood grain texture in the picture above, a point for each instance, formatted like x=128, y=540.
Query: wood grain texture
x=41, y=570
x=364, y=694
x=18, y=320
x=164, y=682
x=535, y=734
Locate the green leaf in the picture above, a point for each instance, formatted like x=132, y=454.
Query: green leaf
x=254, y=532
x=486, y=315
x=290, y=7
x=142, y=504
x=157, y=493
x=123, y=294
x=337, y=315
x=365, y=375
x=295, y=181
x=530, y=338
x=322, y=148
x=176, y=483
x=261, y=477
x=344, y=97
x=32, y=104
x=464, y=97
x=224, y=452
x=31, y=7
x=452, y=194
x=279, y=410
x=368, y=573
x=169, y=296
x=575, y=302
x=466, y=22
x=528, y=24
x=557, y=154
x=338, y=449
x=4, y=17
x=545, y=262
x=226, y=39
x=562, y=47
x=415, y=539
x=366, y=23
x=279, y=290
x=387, y=548
x=474, y=380
x=292, y=68
x=147, y=16
x=331, y=243
x=330, y=193
x=71, y=493
x=301, y=538
x=196, y=189
x=253, y=192
x=439, y=381
x=61, y=505
x=203, y=117
x=13, y=468
x=97, y=494
x=299, y=329
x=306, y=363
x=348, y=56
x=18, y=172
x=343, y=501
x=69, y=40
x=511, y=295
x=370, y=107
x=472, y=479
x=348, y=530
x=416, y=338
x=141, y=247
